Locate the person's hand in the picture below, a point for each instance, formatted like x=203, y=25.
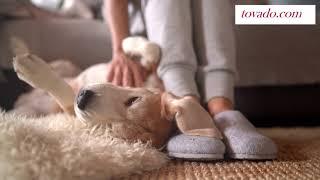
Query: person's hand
x=125, y=72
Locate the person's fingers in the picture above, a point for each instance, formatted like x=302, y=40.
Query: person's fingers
x=144, y=74
x=124, y=76
x=117, y=80
x=110, y=74
x=137, y=77
x=127, y=77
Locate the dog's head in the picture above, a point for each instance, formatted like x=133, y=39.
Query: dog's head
x=132, y=113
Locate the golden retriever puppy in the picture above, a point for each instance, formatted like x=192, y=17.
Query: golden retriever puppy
x=144, y=114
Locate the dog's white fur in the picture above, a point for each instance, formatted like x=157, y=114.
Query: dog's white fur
x=59, y=147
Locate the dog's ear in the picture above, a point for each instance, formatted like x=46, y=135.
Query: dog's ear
x=190, y=116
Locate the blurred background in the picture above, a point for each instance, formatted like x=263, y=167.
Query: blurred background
x=279, y=66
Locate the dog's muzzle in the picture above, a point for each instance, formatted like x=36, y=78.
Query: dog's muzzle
x=83, y=98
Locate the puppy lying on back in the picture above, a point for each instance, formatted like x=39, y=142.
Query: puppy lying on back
x=144, y=114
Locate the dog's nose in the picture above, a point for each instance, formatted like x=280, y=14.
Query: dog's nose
x=83, y=98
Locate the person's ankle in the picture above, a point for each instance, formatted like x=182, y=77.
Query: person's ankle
x=219, y=104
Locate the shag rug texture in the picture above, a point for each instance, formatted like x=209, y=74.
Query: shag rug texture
x=60, y=147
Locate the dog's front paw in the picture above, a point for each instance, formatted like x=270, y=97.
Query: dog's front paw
x=148, y=52
x=33, y=70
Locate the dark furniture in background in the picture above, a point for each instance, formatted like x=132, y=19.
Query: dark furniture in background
x=11, y=89
x=295, y=105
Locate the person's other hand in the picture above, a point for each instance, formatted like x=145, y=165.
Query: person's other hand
x=125, y=72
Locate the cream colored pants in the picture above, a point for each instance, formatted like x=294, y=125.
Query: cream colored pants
x=197, y=41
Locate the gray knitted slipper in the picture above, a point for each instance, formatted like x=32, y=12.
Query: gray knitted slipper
x=195, y=148
x=242, y=139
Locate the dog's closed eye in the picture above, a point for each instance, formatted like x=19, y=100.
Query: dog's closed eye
x=132, y=100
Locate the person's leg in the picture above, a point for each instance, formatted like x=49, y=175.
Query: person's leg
x=215, y=47
x=169, y=24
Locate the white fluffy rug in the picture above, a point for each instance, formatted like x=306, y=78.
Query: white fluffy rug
x=60, y=147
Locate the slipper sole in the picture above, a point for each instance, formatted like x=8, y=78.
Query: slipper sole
x=201, y=157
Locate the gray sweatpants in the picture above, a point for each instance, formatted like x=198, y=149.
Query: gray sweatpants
x=197, y=41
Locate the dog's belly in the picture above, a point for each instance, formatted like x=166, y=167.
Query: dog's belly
x=96, y=74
